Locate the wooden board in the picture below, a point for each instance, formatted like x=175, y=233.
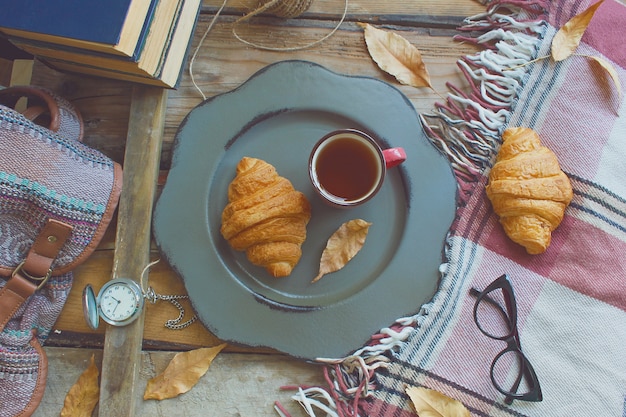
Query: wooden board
x=235, y=384
x=122, y=347
x=369, y=8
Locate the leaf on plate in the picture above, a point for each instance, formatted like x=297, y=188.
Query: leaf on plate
x=181, y=374
x=431, y=403
x=568, y=37
x=342, y=246
x=396, y=56
x=611, y=71
x=83, y=396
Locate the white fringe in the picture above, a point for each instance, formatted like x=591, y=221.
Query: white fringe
x=309, y=398
x=497, y=75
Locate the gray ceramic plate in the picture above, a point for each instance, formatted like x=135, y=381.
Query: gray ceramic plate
x=278, y=115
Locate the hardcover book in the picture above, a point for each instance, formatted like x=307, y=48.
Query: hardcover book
x=113, y=26
x=172, y=60
x=149, y=54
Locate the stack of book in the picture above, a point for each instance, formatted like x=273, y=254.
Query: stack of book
x=144, y=41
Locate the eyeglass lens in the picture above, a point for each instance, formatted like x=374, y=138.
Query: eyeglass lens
x=495, y=314
x=492, y=317
x=511, y=374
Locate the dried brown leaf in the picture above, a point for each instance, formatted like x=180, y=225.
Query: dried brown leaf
x=396, y=56
x=431, y=403
x=181, y=374
x=568, y=37
x=342, y=246
x=83, y=396
x=611, y=71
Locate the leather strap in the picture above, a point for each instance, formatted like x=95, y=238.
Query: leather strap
x=10, y=96
x=35, y=270
x=42, y=375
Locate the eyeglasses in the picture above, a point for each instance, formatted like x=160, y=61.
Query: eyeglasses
x=510, y=368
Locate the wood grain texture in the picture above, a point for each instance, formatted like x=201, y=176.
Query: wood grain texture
x=6, y=68
x=96, y=271
x=122, y=347
x=235, y=384
x=371, y=8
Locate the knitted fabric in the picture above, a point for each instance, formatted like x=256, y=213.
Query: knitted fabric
x=71, y=125
x=45, y=175
x=19, y=360
x=70, y=120
x=42, y=176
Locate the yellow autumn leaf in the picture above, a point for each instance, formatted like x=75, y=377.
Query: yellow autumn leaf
x=611, y=71
x=396, y=56
x=568, y=37
x=342, y=246
x=82, y=398
x=181, y=374
x=431, y=403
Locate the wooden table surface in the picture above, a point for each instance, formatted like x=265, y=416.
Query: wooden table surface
x=242, y=381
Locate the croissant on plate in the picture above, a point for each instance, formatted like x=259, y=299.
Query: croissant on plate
x=266, y=217
x=528, y=190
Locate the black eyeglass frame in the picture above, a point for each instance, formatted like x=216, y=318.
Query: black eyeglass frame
x=511, y=338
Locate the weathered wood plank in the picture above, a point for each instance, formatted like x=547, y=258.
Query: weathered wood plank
x=96, y=271
x=221, y=65
x=22, y=72
x=6, y=67
x=365, y=7
x=122, y=347
x=235, y=384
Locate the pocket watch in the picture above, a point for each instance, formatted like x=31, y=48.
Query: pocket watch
x=119, y=302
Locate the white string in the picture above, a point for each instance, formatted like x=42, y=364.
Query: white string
x=294, y=48
x=143, y=273
x=267, y=48
x=195, y=53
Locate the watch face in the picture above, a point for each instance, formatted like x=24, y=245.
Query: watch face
x=120, y=301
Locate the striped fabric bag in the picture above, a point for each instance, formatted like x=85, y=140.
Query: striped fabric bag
x=57, y=197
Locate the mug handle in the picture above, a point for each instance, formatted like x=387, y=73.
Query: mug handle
x=394, y=156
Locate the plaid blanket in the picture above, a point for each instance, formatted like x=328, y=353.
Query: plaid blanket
x=571, y=299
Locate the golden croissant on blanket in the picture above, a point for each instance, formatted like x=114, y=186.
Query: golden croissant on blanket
x=266, y=217
x=528, y=190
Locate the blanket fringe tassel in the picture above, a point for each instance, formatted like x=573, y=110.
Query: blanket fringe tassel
x=467, y=129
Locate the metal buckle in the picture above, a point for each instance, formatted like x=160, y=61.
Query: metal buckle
x=36, y=280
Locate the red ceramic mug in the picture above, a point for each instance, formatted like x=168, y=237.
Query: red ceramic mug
x=347, y=167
